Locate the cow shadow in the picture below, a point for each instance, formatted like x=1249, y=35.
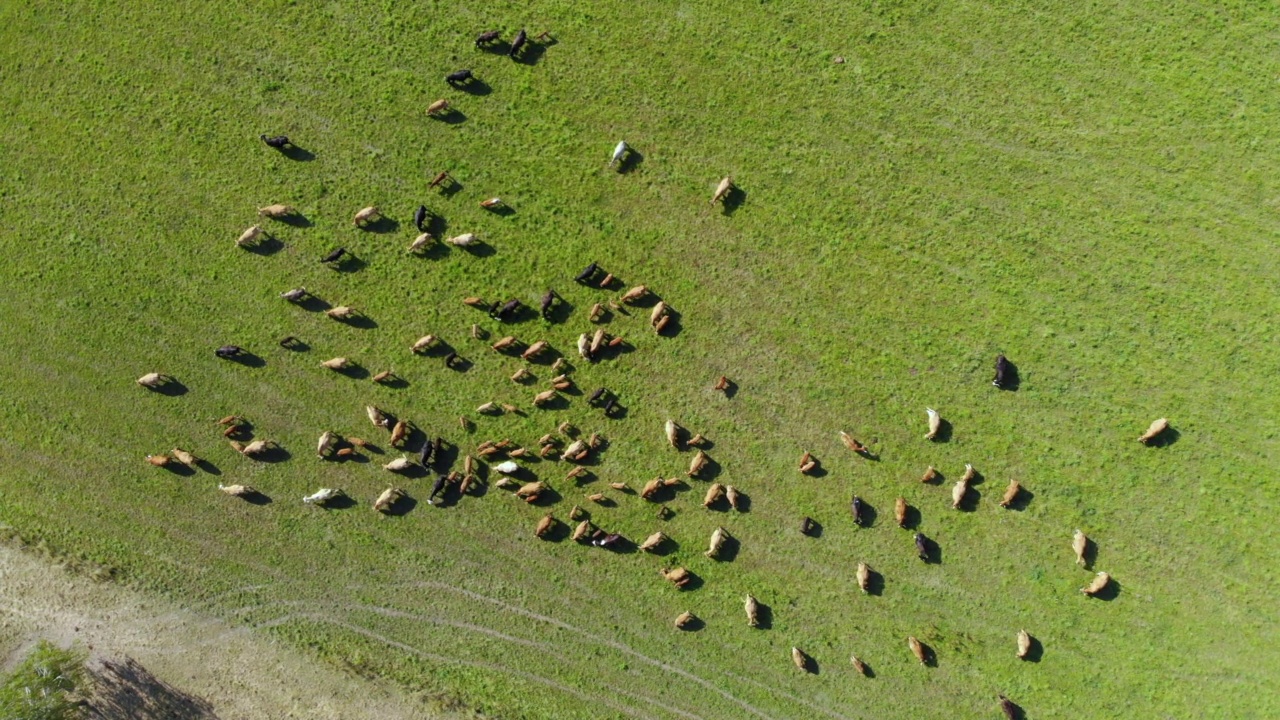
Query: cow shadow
x=273, y=454
x=559, y=532
x=1012, y=379
x=944, y=432
x=1021, y=500
x=435, y=251
x=1035, y=652
x=868, y=515
x=270, y=245
x=732, y=200
x=969, y=503
x=503, y=210
x=179, y=469
x=810, y=665
x=731, y=389
x=932, y=552
x=666, y=547
x=311, y=303
x=359, y=321
x=617, y=412
x=497, y=47
x=437, y=226
x=530, y=54
x=606, y=502
x=875, y=583
x=673, y=326
x=547, y=497
x=764, y=616
x=930, y=657
x=294, y=344
x=297, y=154
x=394, y=382
x=355, y=371
x=342, y=502
x=170, y=387
x=452, y=116
x=248, y=359
x=710, y=471
x=560, y=311
x=1166, y=438
x=728, y=550
x=403, y=506
x=817, y=471
x=451, y=188
x=1090, y=553
x=475, y=87
x=296, y=220
x=938, y=478
x=1017, y=712
x=912, y=518
x=630, y=162
x=867, y=671
x=480, y=248
x=1110, y=592
x=814, y=529
x=256, y=498
x=349, y=263
x=382, y=225
x=208, y=467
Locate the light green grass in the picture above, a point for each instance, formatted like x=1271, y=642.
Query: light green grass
x=1085, y=187
x=40, y=687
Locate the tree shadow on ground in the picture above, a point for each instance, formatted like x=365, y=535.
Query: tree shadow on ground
x=125, y=689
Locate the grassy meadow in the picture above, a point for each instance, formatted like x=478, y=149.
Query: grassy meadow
x=1089, y=188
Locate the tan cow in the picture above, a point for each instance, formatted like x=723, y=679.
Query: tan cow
x=250, y=235
x=531, y=489
x=544, y=397
x=151, y=380
x=677, y=576
x=685, y=619
x=752, y=607
x=917, y=649
x=930, y=474
x=1024, y=644
x=400, y=464
x=718, y=538
x=935, y=423
x=1010, y=493
x=237, y=490
x=399, y=432
x=1157, y=427
x=635, y=294
x=864, y=576
x=722, y=190
x=423, y=343
x=276, y=211
x=799, y=658
x=1080, y=544
x=504, y=343
x=420, y=242
x=534, y=349
x=672, y=431
x=463, y=240
x=376, y=417
x=714, y=493
x=545, y=526
x=731, y=494
x=582, y=531
x=1100, y=581
x=807, y=463
x=653, y=542
x=388, y=499
x=338, y=363
x=900, y=511
x=366, y=215
x=698, y=464
x=184, y=457
x=858, y=666
x=437, y=107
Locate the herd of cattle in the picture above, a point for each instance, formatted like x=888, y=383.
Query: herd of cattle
x=566, y=442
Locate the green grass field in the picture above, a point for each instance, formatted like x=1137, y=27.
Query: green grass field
x=1087, y=187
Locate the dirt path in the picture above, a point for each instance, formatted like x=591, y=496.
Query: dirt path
x=240, y=674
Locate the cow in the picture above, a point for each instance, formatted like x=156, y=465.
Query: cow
x=493, y=203
x=548, y=299
x=800, y=659
x=619, y=152
x=807, y=463
x=864, y=576
x=400, y=464
x=323, y=496
x=935, y=423
x=1003, y=372
x=1100, y=582
x=517, y=44
x=722, y=190
x=459, y=77
x=1079, y=544
x=228, y=352
x=279, y=142
x=917, y=649
x=366, y=215
x=722, y=385
x=714, y=493
x=580, y=533
x=376, y=417
x=930, y=474
x=653, y=542
x=507, y=311
x=342, y=312
x=679, y=576
x=544, y=397
x=752, y=608
x=152, y=380
x=420, y=216
x=1157, y=427
x=1008, y=707
x=635, y=294
x=276, y=211
x=237, y=490
x=587, y=273
x=698, y=464
x=685, y=620
x=858, y=666
x=1024, y=644
x=250, y=235
x=338, y=363
x=399, y=432
x=545, y=526
x=485, y=38
x=295, y=295
x=609, y=405
x=855, y=507
x=423, y=343
x=439, y=179
x=533, y=350
x=718, y=539
x=439, y=106
x=463, y=240
x=1010, y=493
x=731, y=494
x=437, y=488
x=327, y=439
x=922, y=547
x=900, y=511
x=851, y=443
x=807, y=526
x=334, y=255
x=158, y=460
x=387, y=499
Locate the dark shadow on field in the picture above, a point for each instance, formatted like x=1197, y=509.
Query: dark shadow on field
x=1012, y=379
x=733, y=200
x=932, y=552
x=1166, y=438
x=547, y=498
x=256, y=498
x=867, y=671
x=559, y=532
x=270, y=245
x=444, y=457
x=342, y=502
x=1035, y=652
x=294, y=344
x=530, y=54
x=694, y=625
x=452, y=116
x=971, y=500
x=125, y=689
x=170, y=387
x=869, y=515
x=503, y=210
x=944, y=432
x=480, y=248
x=293, y=152
x=297, y=220
x=559, y=402
x=731, y=390
x=1016, y=709
x=180, y=469
x=355, y=371
x=475, y=86
x=764, y=616
x=875, y=584
x=248, y=359
x=497, y=47
x=673, y=326
x=414, y=471
x=373, y=448
x=631, y=161
x=606, y=502
x=938, y=478
x=1090, y=553
x=450, y=188
x=360, y=321
x=437, y=226
x=710, y=471
x=349, y=263
x=1022, y=499
x=273, y=454
x=729, y=550
x=403, y=506
x=435, y=251
x=382, y=225
x=930, y=657
x=560, y=311
x=810, y=665
x=814, y=528
x=394, y=382
x=208, y=467
x=1110, y=592
x=912, y=518
x=817, y=471
x=311, y=303
x=242, y=430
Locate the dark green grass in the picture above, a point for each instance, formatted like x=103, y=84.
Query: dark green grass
x=1087, y=188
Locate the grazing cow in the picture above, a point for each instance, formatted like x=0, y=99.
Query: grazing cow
x=714, y=493
x=930, y=474
x=576, y=451
x=677, y=576
x=651, y=488
x=580, y=532
x=606, y=282
x=722, y=384
x=250, y=235
x=227, y=352
x=342, y=312
x=504, y=343
x=900, y=511
x=508, y=467
x=653, y=542
x=327, y=439
x=548, y=299
x=420, y=215
x=858, y=666
x=619, y=152
x=864, y=576
x=276, y=211
x=237, y=490
x=323, y=496
x=463, y=240
x=935, y=423
x=334, y=255
x=855, y=506
x=520, y=375
x=731, y=494
x=609, y=405
x=488, y=37
x=158, y=460
x=722, y=190
x=518, y=44
x=459, y=77
x=184, y=457
x=958, y=491
x=1080, y=544
x=388, y=499
x=279, y=142
x=399, y=432
x=420, y=242
x=544, y=397
x=338, y=363
x=718, y=538
x=400, y=464
x=752, y=608
x=917, y=649
x=807, y=463
x=621, y=487
x=1024, y=644
x=375, y=416
x=922, y=547
x=1010, y=493
x=366, y=215
x=673, y=433
x=423, y=343
x=450, y=359
x=289, y=343
x=598, y=498
x=492, y=203
x=437, y=488
x=545, y=526
x=439, y=179
x=800, y=659
x=698, y=463
x=595, y=396
x=658, y=311
x=635, y=294
x=807, y=525
x=597, y=341
x=439, y=106
x=595, y=313
x=295, y=295
x=685, y=619
x=532, y=489
x=534, y=349
x=1157, y=427
x=1007, y=707
x=1100, y=581
x=151, y=380
x=584, y=346
x=587, y=273
x=851, y=443
x=1002, y=372
x=662, y=324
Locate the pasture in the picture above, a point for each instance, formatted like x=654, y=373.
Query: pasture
x=1087, y=188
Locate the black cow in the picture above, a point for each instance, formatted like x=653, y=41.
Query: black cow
x=420, y=218
x=229, y=351
x=806, y=526
x=608, y=406
x=485, y=38
x=1002, y=372
x=507, y=311
x=518, y=44
x=856, y=508
x=587, y=273
x=609, y=540
x=278, y=142
x=922, y=547
x=424, y=455
x=595, y=396
x=547, y=301
x=459, y=77
x=451, y=358
x=437, y=489
x=334, y=256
